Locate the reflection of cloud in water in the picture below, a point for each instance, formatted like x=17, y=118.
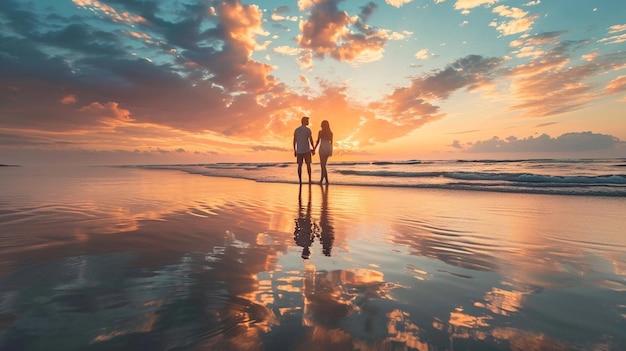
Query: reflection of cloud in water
x=402, y=331
x=203, y=299
x=234, y=297
x=455, y=247
x=531, y=341
x=465, y=326
x=502, y=302
x=339, y=309
x=461, y=320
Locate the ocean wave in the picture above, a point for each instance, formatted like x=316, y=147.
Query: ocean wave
x=383, y=173
x=510, y=177
x=537, y=178
x=384, y=163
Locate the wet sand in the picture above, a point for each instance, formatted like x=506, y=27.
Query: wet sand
x=126, y=259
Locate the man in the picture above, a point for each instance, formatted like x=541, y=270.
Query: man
x=303, y=147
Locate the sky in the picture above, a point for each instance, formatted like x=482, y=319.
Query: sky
x=200, y=81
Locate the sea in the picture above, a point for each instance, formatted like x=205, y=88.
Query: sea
x=590, y=177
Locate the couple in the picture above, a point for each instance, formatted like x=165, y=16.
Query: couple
x=302, y=143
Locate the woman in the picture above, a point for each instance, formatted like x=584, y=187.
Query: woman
x=325, y=142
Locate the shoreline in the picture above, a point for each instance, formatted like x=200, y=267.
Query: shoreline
x=537, y=178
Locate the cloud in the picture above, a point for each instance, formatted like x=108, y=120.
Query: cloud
x=617, y=85
x=544, y=38
x=264, y=148
x=466, y=131
x=617, y=28
x=591, y=56
x=569, y=142
x=109, y=114
x=422, y=54
x=287, y=50
x=547, y=124
x=469, y=72
x=203, y=86
x=397, y=3
x=408, y=108
x=456, y=144
x=281, y=14
x=552, y=83
x=470, y=4
x=520, y=21
x=329, y=31
x=615, y=39
x=109, y=12
x=306, y=61
x=69, y=99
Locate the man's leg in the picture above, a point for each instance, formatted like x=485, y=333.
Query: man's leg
x=299, y=158
x=307, y=158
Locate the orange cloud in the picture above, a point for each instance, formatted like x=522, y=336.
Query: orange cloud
x=422, y=54
x=109, y=114
x=242, y=23
x=553, y=91
x=470, y=4
x=287, y=50
x=520, y=22
x=329, y=31
x=231, y=68
x=69, y=99
x=550, y=84
x=398, y=3
x=408, y=108
x=615, y=39
x=281, y=14
x=617, y=28
x=537, y=39
x=110, y=12
x=617, y=85
x=137, y=35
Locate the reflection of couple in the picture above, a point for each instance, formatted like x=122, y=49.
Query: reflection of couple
x=304, y=148
x=306, y=229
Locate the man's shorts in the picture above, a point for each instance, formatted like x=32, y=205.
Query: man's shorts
x=305, y=156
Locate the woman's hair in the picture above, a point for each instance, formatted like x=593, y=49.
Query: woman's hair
x=326, y=133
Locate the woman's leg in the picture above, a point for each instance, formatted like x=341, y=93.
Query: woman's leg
x=323, y=161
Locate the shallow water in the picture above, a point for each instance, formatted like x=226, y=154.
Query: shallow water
x=583, y=177
x=109, y=258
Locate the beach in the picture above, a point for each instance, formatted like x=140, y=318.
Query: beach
x=146, y=258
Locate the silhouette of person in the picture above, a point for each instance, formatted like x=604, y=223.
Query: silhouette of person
x=325, y=141
x=302, y=144
x=327, y=235
x=306, y=229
